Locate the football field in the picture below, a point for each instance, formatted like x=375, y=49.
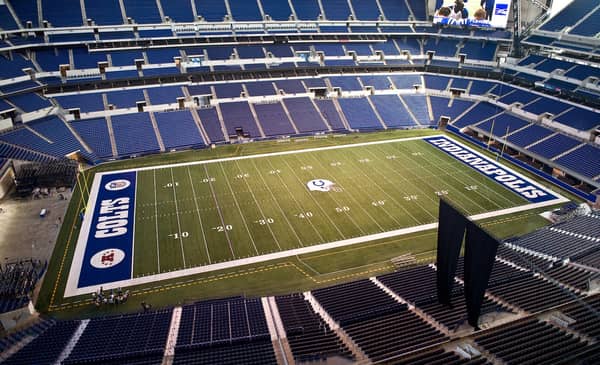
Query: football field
x=218, y=211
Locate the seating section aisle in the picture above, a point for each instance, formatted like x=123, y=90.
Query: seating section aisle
x=310, y=338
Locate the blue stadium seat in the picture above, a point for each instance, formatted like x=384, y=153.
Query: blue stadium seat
x=7, y=21
x=164, y=94
x=305, y=116
x=62, y=13
x=142, y=11
x=211, y=124
x=330, y=114
x=178, y=129
x=273, y=119
x=554, y=146
x=212, y=11
x=245, y=10
x=418, y=106
x=366, y=9
x=277, y=10
x=134, y=134
x=359, y=113
x=306, y=9
x=95, y=134
x=392, y=111
x=178, y=10
x=235, y=115
x=106, y=12
x=26, y=10
x=336, y=9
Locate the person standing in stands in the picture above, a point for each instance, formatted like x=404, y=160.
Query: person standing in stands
x=488, y=5
x=458, y=11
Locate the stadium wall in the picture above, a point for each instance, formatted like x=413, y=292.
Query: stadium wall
x=551, y=179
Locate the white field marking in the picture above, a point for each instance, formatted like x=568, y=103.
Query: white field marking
x=440, y=168
x=277, y=203
x=178, y=222
x=239, y=209
x=282, y=153
x=77, y=263
x=156, y=223
x=71, y=288
x=307, y=265
x=466, y=174
x=198, y=213
x=300, y=208
x=337, y=203
x=417, y=179
x=72, y=291
x=352, y=197
x=219, y=210
x=314, y=200
x=260, y=210
x=133, y=229
x=391, y=197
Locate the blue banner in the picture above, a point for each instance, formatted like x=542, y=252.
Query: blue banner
x=515, y=183
x=109, y=250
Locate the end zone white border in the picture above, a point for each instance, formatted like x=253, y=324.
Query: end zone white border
x=72, y=289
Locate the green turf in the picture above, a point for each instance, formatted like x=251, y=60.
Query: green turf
x=194, y=215
x=418, y=174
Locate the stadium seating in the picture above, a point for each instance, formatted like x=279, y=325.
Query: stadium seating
x=134, y=134
x=112, y=338
x=359, y=113
x=46, y=348
x=273, y=119
x=178, y=130
x=310, y=338
x=532, y=341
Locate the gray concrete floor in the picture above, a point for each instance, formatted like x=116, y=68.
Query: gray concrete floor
x=23, y=233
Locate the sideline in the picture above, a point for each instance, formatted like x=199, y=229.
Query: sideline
x=71, y=288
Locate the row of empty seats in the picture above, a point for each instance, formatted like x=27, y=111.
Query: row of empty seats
x=69, y=13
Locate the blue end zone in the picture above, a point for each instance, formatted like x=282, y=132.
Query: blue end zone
x=515, y=183
x=109, y=250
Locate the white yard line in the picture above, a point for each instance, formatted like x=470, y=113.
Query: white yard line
x=178, y=222
x=297, y=251
x=198, y=213
x=277, y=203
x=373, y=182
x=133, y=233
x=351, y=196
x=315, y=200
x=219, y=211
x=237, y=205
x=258, y=206
x=416, y=186
x=72, y=289
x=300, y=207
x=156, y=224
x=337, y=203
x=466, y=174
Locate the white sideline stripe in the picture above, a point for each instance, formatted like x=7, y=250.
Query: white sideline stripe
x=293, y=252
x=72, y=290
